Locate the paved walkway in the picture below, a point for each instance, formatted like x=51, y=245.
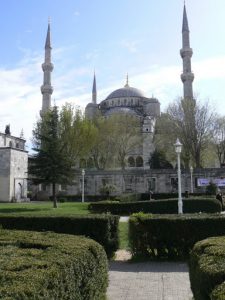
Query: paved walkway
x=148, y=281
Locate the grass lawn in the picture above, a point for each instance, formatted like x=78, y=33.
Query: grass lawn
x=123, y=235
x=44, y=208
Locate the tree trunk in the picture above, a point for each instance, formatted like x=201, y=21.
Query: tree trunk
x=54, y=196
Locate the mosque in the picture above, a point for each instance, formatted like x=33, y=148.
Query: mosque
x=138, y=177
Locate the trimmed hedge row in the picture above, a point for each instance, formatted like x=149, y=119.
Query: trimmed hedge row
x=39, y=266
x=207, y=269
x=101, y=228
x=156, y=207
x=171, y=236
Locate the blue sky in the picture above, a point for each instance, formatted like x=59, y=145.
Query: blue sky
x=141, y=38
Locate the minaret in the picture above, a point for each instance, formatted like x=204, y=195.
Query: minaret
x=94, y=91
x=186, y=52
x=47, y=67
x=127, y=81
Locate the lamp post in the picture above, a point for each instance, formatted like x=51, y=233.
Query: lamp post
x=191, y=171
x=83, y=173
x=178, y=147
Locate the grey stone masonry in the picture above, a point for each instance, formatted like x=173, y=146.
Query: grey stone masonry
x=13, y=168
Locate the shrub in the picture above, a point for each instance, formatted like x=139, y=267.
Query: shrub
x=211, y=189
x=171, y=236
x=207, y=269
x=156, y=207
x=51, y=266
x=103, y=229
x=129, y=197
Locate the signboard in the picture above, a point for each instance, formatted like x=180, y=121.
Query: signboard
x=206, y=181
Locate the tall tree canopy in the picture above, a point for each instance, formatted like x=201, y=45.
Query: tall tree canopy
x=59, y=139
x=191, y=122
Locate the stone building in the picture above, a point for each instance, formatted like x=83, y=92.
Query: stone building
x=13, y=168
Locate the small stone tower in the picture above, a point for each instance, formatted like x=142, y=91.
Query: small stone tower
x=47, y=67
x=186, y=52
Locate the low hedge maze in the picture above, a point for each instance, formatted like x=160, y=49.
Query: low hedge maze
x=44, y=266
x=156, y=207
x=101, y=228
x=171, y=236
x=207, y=269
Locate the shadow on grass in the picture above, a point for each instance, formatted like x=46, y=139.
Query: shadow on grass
x=21, y=210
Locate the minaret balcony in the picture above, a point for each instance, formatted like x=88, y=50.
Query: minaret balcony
x=189, y=76
x=47, y=67
x=46, y=89
x=186, y=52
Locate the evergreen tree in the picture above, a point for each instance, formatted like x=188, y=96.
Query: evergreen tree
x=50, y=164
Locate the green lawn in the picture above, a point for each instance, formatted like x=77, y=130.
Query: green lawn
x=44, y=208
x=123, y=235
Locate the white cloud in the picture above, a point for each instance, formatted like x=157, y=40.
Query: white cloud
x=20, y=96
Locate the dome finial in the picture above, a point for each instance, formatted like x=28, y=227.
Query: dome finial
x=127, y=81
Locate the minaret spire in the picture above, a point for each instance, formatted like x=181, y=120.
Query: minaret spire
x=127, y=81
x=94, y=91
x=186, y=52
x=47, y=67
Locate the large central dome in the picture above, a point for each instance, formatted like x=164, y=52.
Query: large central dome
x=126, y=91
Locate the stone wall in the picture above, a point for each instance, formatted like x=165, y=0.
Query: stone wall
x=13, y=174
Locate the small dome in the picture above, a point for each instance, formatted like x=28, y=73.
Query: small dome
x=126, y=91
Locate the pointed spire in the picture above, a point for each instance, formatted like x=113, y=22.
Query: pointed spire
x=47, y=67
x=127, y=81
x=94, y=91
x=185, y=26
x=48, y=37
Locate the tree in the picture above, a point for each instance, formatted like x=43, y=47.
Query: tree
x=103, y=148
x=192, y=123
x=128, y=136
x=77, y=133
x=219, y=139
x=158, y=161
x=50, y=164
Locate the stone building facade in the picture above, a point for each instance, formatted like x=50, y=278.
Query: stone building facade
x=13, y=168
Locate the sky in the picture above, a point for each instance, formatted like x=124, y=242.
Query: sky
x=139, y=37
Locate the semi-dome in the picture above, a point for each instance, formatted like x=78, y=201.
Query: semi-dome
x=126, y=91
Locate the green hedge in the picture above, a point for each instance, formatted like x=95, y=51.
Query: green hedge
x=156, y=207
x=101, y=228
x=171, y=236
x=51, y=266
x=207, y=269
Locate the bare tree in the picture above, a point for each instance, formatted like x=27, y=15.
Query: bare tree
x=219, y=139
x=192, y=122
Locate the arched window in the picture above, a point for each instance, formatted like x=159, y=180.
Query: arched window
x=125, y=101
x=131, y=162
x=139, y=162
x=90, y=163
x=82, y=164
x=10, y=144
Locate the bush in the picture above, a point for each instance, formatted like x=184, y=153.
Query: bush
x=207, y=269
x=129, y=197
x=211, y=189
x=51, y=266
x=103, y=229
x=171, y=236
x=156, y=207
